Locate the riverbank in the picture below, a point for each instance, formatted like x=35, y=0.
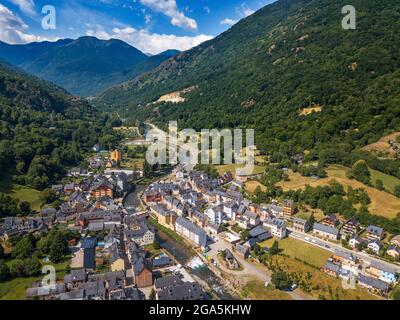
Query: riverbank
x=199, y=268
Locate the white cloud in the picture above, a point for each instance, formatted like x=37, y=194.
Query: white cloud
x=244, y=11
x=13, y=29
x=170, y=9
x=26, y=6
x=228, y=22
x=149, y=42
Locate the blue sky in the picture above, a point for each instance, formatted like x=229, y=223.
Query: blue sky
x=150, y=25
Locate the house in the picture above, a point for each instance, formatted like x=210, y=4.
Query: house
x=102, y=188
x=141, y=267
x=57, y=188
x=153, y=196
x=373, y=284
x=88, y=245
x=142, y=235
x=75, y=278
x=374, y=233
x=242, y=250
x=213, y=229
x=395, y=240
x=117, y=258
x=382, y=272
x=185, y=291
x=161, y=262
x=167, y=282
x=230, y=209
x=163, y=216
x=69, y=188
x=393, y=251
x=252, y=218
x=288, y=207
x=356, y=241
x=260, y=234
x=325, y=232
x=214, y=215
x=277, y=227
x=96, y=226
x=347, y=260
x=350, y=228
x=116, y=156
x=250, y=243
x=301, y=225
x=332, y=269
x=375, y=246
x=191, y=232
x=330, y=221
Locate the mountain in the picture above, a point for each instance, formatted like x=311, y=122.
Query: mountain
x=43, y=129
x=291, y=72
x=21, y=53
x=85, y=66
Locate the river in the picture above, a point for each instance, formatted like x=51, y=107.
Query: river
x=197, y=269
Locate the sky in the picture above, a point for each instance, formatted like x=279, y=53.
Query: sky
x=152, y=26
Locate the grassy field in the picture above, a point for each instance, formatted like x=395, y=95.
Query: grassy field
x=389, y=182
x=322, y=285
x=256, y=290
x=21, y=193
x=251, y=186
x=15, y=288
x=301, y=250
x=232, y=168
x=379, y=199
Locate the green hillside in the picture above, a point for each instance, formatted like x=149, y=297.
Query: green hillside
x=266, y=69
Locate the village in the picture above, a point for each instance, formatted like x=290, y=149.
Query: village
x=117, y=256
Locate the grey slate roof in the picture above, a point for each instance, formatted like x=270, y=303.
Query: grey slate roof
x=326, y=229
x=375, y=283
x=169, y=281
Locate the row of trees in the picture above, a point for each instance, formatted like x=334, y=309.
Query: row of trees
x=27, y=252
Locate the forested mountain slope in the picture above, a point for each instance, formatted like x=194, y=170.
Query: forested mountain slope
x=270, y=68
x=43, y=129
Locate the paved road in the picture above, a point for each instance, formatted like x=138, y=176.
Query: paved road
x=333, y=247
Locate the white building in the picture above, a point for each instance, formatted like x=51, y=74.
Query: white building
x=191, y=232
x=277, y=227
x=214, y=215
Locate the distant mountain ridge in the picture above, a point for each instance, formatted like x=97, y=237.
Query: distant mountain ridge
x=85, y=66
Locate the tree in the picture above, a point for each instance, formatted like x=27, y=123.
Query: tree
x=4, y=271
x=32, y=266
x=280, y=280
x=379, y=184
x=274, y=248
x=152, y=295
x=24, y=247
x=396, y=191
x=1, y=252
x=57, y=250
x=156, y=245
x=17, y=268
x=25, y=208
x=361, y=172
x=147, y=169
x=244, y=235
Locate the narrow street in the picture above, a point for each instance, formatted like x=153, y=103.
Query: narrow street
x=330, y=246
